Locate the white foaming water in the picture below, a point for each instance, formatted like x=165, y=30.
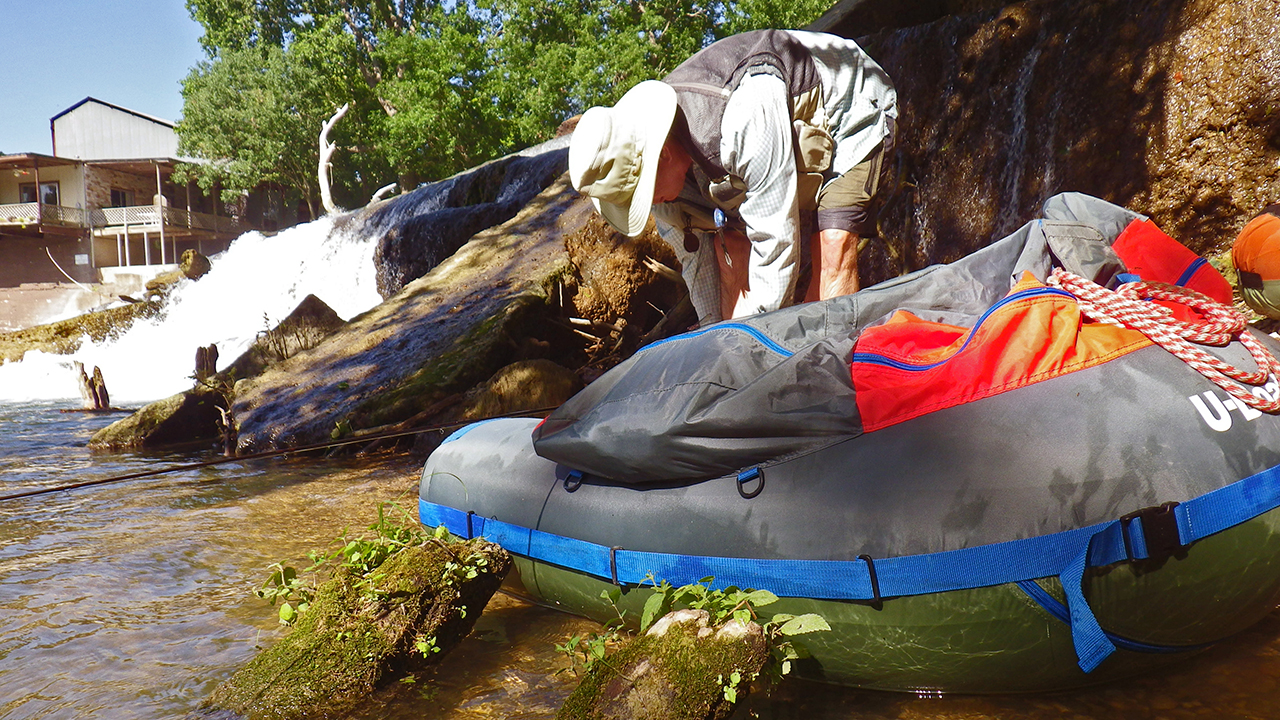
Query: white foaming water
x=253, y=285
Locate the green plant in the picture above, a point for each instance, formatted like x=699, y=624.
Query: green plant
x=426, y=646
x=739, y=605
x=730, y=685
x=392, y=532
x=587, y=650
x=293, y=594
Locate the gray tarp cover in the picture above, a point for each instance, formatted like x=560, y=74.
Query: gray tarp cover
x=744, y=392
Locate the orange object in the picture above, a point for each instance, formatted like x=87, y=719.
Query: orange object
x=1256, y=255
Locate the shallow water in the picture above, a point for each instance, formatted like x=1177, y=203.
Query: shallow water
x=134, y=600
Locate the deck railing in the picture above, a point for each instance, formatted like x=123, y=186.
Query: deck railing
x=115, y=220
x=40, y=213
x=146, y=218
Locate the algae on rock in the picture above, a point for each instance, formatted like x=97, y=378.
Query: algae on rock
x=680, y=669
x=361, y=632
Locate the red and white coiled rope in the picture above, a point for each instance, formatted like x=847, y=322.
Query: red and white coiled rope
x=1126, y=308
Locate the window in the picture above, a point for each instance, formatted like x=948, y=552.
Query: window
x=48, y=193
x=121, y=198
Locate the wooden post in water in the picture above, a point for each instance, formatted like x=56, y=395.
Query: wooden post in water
x=93, y=390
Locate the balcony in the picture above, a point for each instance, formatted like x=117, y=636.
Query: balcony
x=39, y=215
x=154, y=219
x=141, y=234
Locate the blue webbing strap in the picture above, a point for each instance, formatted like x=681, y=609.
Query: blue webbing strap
x=1066, y=554
x=1059, y=611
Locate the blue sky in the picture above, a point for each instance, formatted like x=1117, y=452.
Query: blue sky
x=55, y=53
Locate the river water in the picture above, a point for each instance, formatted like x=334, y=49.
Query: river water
x=134, y=600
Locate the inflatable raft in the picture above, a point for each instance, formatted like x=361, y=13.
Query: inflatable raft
x=981, y=475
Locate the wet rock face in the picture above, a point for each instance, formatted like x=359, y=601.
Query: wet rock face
x=444, y=333
x=1168, y=107
x=424, y=227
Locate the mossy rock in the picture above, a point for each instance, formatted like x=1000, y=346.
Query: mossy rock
x=359, y=634
x=194, y=265
x=678, y=670
x=186, y=418
x=522, y=386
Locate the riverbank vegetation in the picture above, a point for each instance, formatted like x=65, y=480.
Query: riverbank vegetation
x=434, y=87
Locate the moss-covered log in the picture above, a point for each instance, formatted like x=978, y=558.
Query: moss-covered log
x=361, y=632
x=681, y=669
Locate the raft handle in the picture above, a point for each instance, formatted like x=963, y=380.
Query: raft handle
x=573, y=480
x=1159, y=531
x=747, y=476
x=876, y=601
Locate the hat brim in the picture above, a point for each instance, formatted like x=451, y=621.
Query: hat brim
x=655, y=101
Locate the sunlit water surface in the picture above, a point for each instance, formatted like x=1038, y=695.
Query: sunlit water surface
x=134, y=600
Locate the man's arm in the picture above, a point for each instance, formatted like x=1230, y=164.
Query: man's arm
x=756, y=146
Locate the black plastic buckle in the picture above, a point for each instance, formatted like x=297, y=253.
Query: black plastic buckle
x=1159, y=531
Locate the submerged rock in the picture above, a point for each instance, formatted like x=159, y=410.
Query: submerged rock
x=361, y=632
x=681, y=669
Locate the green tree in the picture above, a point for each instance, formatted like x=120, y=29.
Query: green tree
x=435, y=86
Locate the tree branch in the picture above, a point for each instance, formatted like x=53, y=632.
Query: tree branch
x=326, y=154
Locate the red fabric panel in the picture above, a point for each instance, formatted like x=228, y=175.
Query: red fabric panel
x=1033, y=335
x=1152, y=255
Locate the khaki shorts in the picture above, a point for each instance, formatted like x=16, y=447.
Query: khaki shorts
x=845, y=203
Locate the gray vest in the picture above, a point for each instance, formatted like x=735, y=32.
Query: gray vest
x=704, y=82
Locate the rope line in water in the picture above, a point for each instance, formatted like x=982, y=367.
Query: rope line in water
x=1126, y=307
x=264, y=454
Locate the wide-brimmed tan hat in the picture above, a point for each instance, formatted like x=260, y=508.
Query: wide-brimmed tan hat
x=613, y=157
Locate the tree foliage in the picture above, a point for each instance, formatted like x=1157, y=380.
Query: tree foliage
x=435, y=86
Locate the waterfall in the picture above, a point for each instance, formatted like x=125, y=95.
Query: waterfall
x=251, y=287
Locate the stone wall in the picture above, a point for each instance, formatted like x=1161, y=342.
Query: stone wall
x=99, y=182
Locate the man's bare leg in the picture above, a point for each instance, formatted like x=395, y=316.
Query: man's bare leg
x=834, y=255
